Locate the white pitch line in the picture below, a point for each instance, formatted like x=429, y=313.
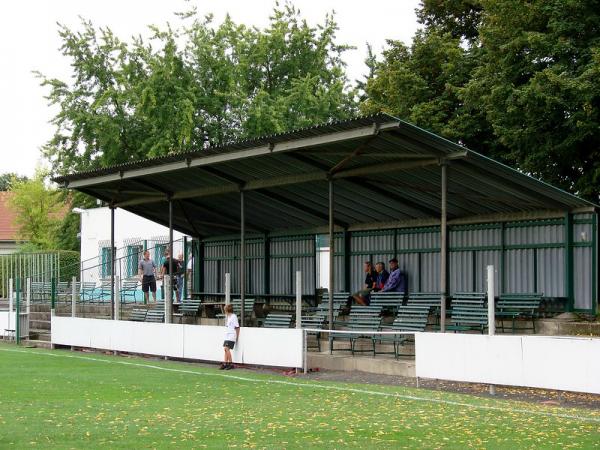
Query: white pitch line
x=317, y=386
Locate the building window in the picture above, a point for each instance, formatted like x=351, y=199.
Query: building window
x=134, y=253
x=105, y=262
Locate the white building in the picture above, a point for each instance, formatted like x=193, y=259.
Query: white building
x=133, y=234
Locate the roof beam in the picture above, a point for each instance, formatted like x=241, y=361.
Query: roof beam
x=215, y=158
x=250, y=226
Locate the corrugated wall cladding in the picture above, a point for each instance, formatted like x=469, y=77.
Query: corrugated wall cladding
x=582, y=277
x=582, y=232
x=461, y=272
x=519, y=275
x=418, y=240
x=372, y=243
x=551, y=272
x=289, y=254
x=409, y=263
x=475, y=237
x=430, y=272
x=482, y=260
x=539, y=234
x=534, y=259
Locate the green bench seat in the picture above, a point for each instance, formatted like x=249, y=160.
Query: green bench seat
x=388, y=301
x=521, y=306
x=278, y=321
x=315, y=322
x=356, y=322
x=138, y=315
x=409, y=318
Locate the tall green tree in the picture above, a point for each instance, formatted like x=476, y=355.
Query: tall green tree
x=193, y=86
x=39, y=211
x=424, y=84
x=537, y=82
x=6, y=180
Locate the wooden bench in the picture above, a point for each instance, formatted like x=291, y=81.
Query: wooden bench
x=519, y=306
x=431, y=300
x=138, y=315
x=468, y=312
x=190, y=307
x=372, y=310
x=86, y=289
x=129, y=288
x=408, y=318
x=388, y=301
x=156, y=315
x=314, y=322
x=237, y=308
x=278, y=321
x=356, y=322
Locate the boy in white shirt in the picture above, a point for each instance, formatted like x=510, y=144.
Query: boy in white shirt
x=232, y=334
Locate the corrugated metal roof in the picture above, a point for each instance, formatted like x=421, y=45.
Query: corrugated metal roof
x=384, y=170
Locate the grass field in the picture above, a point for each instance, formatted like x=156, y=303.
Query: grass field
x=62, y=399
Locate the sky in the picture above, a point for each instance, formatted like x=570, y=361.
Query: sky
x=29, y=42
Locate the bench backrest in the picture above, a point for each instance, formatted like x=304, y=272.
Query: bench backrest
x=138, y=315
x=411, y=318
x=313, y=322
x=476, y=299
x=278, y=321
x=363, y=322
x=387, y=300
x=372, y=310
x=338, y=298
x=128, y=285
x=155, y=315
x=248, y=305
x=190, y=306
x=523, y=302
x=469, y=315
x=430, y=299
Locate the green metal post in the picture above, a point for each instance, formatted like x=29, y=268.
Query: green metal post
x=199, y=266
x=594, y=266
x=185, y=263
x=52, y=293
x=267, y=265
x=347, y=275
x=18, y=311
x=502, y=259
x=569, y=288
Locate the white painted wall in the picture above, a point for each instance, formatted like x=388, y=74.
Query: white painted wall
x=95, y=227
x=260, y=346
x=548, y=362
x=7, y=321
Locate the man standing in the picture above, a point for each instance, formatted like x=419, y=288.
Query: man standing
x=166, y=273
x=397, y=281
x=147, y=270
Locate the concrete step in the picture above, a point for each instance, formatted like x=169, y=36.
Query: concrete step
x=39, y=324
x=38, y=343
x=42, y=335
x=384, y=365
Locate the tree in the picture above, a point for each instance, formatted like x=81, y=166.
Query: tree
x=423, y=85
x=191, y=87
x=460, y=18
x=6, y=179
x=537, y=82
x=39, y=211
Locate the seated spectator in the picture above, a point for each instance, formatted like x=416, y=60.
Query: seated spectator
x=382, y=276
x=362, y=297
x=397, y=280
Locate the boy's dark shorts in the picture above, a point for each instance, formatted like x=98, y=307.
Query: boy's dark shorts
x=229, y=344
x=148, y=283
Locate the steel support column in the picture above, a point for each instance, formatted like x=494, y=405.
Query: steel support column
x=169, y=296
x=112, y=262
x=444, y=247
x=331, y=256
x=242, y=257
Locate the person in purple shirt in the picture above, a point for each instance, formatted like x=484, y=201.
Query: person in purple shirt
x=397, y=281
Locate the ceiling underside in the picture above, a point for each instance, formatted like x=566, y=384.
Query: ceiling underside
x=383, y=170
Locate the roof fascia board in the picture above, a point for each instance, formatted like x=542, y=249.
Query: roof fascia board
x=285, y=146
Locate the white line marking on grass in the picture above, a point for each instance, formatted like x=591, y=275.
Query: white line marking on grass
x=317, y=386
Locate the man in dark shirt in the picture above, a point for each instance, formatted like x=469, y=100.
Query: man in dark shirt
x=382, y=276
x=165, y=269
x=362, y=297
